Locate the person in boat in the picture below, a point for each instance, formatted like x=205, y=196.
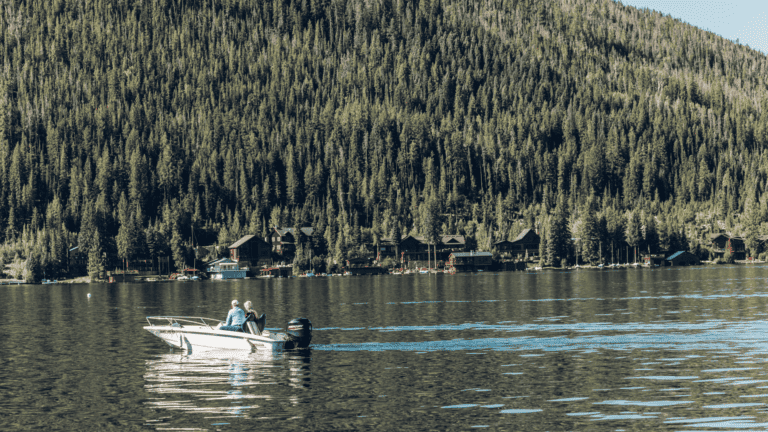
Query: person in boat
x=235, y=318
x=249, y=311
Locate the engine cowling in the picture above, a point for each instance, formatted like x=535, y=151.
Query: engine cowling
x=299, y=331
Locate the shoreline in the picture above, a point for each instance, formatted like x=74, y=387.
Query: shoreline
x=87, y=280
x=82, y=279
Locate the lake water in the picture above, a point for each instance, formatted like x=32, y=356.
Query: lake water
x=637, y=349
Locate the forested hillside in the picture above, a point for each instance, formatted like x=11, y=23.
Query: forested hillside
x=124, y=124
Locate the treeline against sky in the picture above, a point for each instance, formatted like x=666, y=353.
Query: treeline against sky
x=124, y=125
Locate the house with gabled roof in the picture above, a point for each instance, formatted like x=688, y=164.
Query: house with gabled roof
x=525, y=244
x=386, y=248
x=452, y=243
x=503, y=246
x=221, y=264
x=722, y=242
x=285, y=240
x=413, y=249
x=225, y=268
x=683, y=258
x=250, y=251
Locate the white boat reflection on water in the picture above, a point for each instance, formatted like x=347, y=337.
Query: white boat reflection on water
x=228, y=384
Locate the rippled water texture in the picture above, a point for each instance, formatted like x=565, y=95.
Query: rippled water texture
x=663, y=349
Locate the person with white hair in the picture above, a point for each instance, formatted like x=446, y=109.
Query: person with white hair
x=252, y=319
x=235, y=318
x=249, y=310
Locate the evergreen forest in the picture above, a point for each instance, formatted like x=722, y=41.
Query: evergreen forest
x=126, y=125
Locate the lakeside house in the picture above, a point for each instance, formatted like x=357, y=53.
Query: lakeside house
x=280, y=271
x=284, y=240
x=680, y=258
x=250, y=252
x=451, y=243
x=414, y=249
x=683, y=258
x=470, y=261
x=386, y=248
x=225, y=268
x=721, y=243
x=526, y=244
x=654, y=260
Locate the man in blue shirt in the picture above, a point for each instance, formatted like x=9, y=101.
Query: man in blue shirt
x=235, y=318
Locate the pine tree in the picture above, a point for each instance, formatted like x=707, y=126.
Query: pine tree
x=633, y=233
x=590, y=234
x=95, y=260
x=752, y=219
x=396, y=238
x=615, y=233
x=339, y=251
x=651, y=235
x=126, y=239
x=544, y=256
x=559, y=236
x=430, y=221
x=34, y=269
x=11, y=230
x=177, y=250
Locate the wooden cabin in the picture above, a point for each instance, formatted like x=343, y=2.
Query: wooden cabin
x=654, y=260
x=250, y=251
x=285, y=240
x=470, y=261
x=450, y=244
x=722, y=242
x=683, y=258
x=525, y=244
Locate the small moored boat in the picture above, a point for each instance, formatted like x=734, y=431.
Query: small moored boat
x=198, y=333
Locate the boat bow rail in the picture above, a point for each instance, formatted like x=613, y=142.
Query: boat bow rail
x=181, y=321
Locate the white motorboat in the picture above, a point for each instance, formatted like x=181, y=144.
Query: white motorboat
x=198, y=333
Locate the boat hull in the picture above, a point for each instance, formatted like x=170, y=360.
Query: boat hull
x=205, y=338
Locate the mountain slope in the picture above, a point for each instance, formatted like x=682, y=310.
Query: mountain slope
x=153, y=116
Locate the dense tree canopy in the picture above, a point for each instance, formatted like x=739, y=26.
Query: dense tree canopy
x=118, y=117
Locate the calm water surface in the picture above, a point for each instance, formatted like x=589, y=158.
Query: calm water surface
x=664, y=349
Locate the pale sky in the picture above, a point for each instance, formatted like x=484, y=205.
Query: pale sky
x=746, y=20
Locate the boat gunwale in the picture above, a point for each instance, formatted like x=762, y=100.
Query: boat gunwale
x=271, y=338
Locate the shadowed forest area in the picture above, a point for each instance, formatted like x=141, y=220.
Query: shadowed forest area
x=126, y=125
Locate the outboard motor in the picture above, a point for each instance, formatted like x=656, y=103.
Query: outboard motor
x=299, y=332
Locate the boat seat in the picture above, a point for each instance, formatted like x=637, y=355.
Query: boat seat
x=251, y=327
x=254, y=325
x=261, y=322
